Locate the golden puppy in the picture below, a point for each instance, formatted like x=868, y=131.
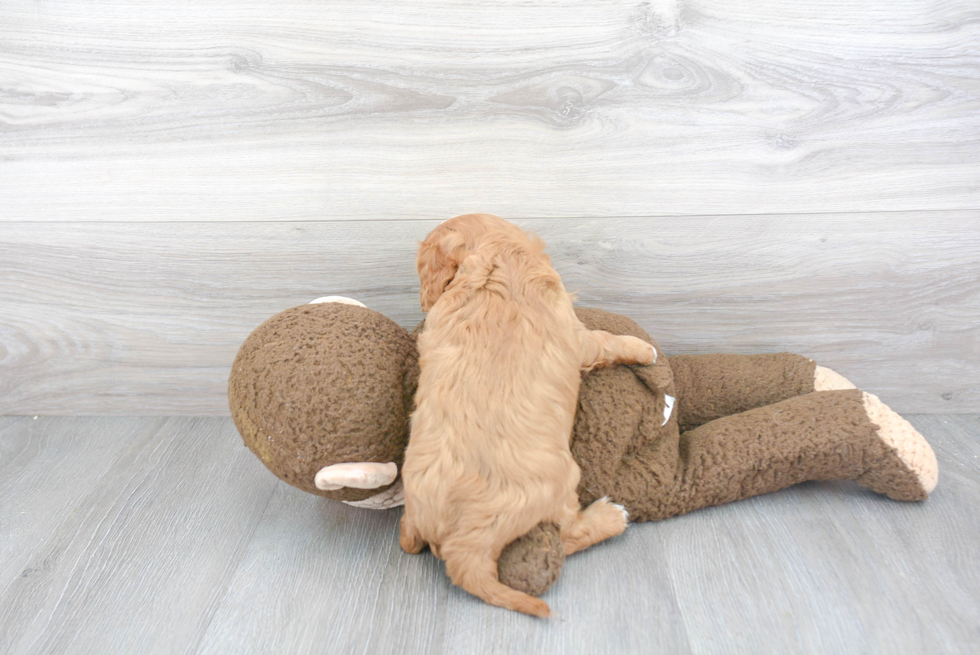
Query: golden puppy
x=500, y=357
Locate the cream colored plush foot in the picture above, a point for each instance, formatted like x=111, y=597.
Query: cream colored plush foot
x=826, y=380
x=910, y=446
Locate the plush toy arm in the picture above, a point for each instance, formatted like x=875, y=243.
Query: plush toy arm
x=712, y=386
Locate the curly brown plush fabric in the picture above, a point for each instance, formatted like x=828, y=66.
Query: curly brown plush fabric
x=533, y=562
x=322, y=384
x=715, y=384
x=761, y=428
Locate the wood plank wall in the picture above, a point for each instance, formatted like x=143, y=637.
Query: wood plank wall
x=738, y=176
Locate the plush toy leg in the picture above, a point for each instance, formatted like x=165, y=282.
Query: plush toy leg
x=712, y=386
x=911, y=448
x=826, y=380
x=824, y=435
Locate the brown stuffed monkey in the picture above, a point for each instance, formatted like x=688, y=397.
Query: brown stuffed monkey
x=322, y=394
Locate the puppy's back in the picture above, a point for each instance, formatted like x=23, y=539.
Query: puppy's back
x=497, y=392
x=488, y=457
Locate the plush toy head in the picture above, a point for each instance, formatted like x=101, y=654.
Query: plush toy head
x=327, y=384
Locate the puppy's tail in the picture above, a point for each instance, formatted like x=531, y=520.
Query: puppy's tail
x=477, y=574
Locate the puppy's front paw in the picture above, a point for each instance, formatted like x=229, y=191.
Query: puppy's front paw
x=638, y=351
x=648, y=356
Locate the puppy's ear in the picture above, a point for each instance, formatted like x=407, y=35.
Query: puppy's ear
x=438, y=260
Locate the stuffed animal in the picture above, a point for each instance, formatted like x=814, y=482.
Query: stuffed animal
x=322, y=394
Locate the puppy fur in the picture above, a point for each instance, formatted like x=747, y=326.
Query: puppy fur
x=500, y=358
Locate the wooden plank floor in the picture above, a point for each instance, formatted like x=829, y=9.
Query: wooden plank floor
x=164, y=535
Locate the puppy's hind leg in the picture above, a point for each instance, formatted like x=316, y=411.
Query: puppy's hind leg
x=597, y=522
x=600, y=348
x=477, y=573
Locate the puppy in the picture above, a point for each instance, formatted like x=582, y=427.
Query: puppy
x=500, y=357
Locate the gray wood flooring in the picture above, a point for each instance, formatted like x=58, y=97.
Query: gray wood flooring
x=164, y=535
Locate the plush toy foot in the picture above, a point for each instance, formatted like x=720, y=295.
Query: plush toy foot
x=825, y=379
x=908, y=470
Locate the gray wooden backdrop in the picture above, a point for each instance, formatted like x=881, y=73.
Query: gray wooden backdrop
x=737, y=175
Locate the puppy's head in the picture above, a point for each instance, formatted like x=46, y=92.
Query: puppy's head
x=438, y=260
x=442, y=252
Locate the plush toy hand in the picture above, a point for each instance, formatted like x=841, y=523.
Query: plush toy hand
x=364, y=475
x=358, y=475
